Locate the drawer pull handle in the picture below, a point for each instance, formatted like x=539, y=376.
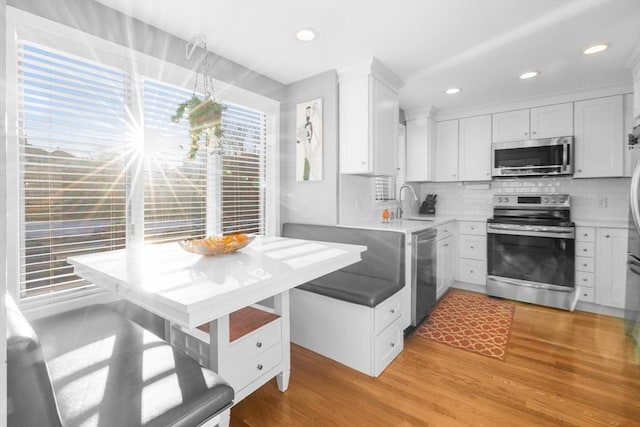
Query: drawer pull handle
x=446, y=245
x=585, y=250
x=259, y=367
x=584, y=265
x=584, y=279
x=607, y=236
x=471, y=271
x=393, y=310
x=258, y=344
x=392, y=344
x=586, y=234
x=472, y=247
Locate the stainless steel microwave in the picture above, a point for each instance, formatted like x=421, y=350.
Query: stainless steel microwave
x=535, y=157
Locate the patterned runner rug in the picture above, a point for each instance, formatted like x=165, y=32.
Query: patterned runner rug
x=476, y=323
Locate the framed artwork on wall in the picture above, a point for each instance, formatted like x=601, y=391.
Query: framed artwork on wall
x=309, y=141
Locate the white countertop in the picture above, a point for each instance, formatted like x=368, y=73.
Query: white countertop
x=403, y=225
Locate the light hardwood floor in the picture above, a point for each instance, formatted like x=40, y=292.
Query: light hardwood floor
x=561, y=368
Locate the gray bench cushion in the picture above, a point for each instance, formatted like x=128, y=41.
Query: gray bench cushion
x=354, y=288
x=377, y=276
x=107, y=370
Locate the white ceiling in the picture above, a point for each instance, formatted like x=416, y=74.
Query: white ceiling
x=478, y=45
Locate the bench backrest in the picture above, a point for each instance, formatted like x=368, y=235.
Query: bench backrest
x=31, y=400
x=384, y=257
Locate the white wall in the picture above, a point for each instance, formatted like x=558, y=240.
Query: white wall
x=314, y=202
x=3, y=223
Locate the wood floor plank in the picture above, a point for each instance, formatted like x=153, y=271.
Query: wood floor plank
x=561, y=369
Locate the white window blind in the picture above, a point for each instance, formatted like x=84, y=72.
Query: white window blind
x=243, y=170
x=71, y=164
x=175, y=186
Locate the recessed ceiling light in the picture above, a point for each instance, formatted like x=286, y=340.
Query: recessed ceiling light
x=595, y=49
x=306, y=34
x=452, y=91
x=528, y=75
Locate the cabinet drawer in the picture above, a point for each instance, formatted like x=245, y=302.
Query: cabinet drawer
x=445, y=230
x=587, y=295
x=585, y=264
x=472, y=227
x=243, y=372
x=387, y=346
x=387, y=311
x=472, y=271
x=474, y=247
x=255, y=342
x=585, y=234
x=585, y=249
x=584, y=278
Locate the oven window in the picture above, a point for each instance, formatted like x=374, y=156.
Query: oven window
x=529, y=156
x=535, y=259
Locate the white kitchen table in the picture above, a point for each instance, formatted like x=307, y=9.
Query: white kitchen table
x=190, y=290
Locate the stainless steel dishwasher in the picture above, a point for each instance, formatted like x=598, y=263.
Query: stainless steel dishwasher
x=423, y=275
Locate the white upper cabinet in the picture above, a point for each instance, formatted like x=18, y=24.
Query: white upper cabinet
x=420, y=137
x=474, y=146
x=446, y=151
x=368, y=119
x=634, y=64
x=552, y=120
x=599, y=140
x=540, y=122
x=511, y=126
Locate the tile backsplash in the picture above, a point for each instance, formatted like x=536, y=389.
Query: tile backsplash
x=595, y=199
x=592, y=199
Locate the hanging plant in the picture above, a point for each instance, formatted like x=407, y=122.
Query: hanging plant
x=205, y=119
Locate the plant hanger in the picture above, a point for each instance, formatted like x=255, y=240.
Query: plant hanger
x=204, y=115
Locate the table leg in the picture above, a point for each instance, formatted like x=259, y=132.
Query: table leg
x=218, y=343
x=281, y=307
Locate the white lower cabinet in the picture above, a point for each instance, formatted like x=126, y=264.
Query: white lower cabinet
x=445, y=258
x=611, y=269
x=600, y=265
x=472, y=252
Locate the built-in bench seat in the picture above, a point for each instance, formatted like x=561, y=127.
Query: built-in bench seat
x=94, y=367
x=353, y=315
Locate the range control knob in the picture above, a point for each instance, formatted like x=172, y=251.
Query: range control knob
x=499, y=199
x=545, y=200
x=561, y=200
x=506, y=199
x=553, y=200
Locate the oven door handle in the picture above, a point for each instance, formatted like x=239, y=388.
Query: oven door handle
x=532, y=231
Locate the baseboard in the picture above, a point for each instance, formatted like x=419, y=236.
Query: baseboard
x=582, y=306
x=470, y=287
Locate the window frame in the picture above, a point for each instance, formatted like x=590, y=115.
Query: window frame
x=139, y=66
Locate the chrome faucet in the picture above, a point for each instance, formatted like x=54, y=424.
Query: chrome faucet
x=399, y=200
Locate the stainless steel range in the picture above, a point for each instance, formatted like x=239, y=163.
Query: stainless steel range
x=531, y=249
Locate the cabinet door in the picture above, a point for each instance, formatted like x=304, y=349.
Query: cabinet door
x=599, y=142
x=552, y=120
x=445, y=265
x=354, y=126
x=446, y=151
x=611, y=268
x=384, y=124
x=419, y=141
x=510, y=126
x=474, y=145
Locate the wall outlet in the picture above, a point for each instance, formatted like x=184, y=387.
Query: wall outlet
x=602, y=202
